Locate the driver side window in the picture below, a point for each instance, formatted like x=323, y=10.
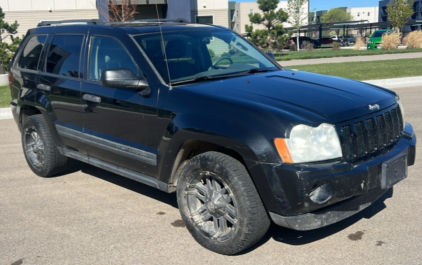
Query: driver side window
x=108, y=53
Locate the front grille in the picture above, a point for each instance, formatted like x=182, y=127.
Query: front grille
x=363, y=137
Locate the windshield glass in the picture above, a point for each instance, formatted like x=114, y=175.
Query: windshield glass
x=202, y=55
x=378, y=34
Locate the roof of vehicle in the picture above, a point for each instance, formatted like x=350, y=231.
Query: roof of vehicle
x=133, y=27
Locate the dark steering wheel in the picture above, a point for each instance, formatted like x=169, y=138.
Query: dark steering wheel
x=214, y=65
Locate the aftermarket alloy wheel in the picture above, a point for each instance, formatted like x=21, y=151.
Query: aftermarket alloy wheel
x=40, y=151
x=219, y=203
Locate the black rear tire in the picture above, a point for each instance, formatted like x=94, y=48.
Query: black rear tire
x=40, y=151
x=220, y=204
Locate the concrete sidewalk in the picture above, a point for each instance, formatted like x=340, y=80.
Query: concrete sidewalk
x=6, y=113
x=367, y=58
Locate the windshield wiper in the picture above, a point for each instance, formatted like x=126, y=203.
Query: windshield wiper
x=208, y=78
x=259, y=70
x=201, y=78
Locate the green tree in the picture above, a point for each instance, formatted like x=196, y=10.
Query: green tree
x=336, y=15
x=8, y=43
x=297, y=16
x=274, y=36
x=399, y=12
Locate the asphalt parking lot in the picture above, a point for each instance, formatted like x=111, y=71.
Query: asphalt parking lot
x=91, y=216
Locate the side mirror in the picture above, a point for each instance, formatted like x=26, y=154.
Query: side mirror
x=124, y=78
x=271, y=55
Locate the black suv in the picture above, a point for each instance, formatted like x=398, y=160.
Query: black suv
x=196, y=109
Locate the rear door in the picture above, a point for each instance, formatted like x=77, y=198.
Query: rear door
x=60, y=83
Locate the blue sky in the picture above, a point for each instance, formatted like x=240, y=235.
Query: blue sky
x=328, y=4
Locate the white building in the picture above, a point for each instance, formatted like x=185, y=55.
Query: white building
x=364, y=13
x=29, y=13
x=210, y=12
x=243, y=9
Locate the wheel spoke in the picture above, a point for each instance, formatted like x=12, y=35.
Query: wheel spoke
x=215, y=220
x=230, y=219
x=206, y=216
x=200, y=197
x=223, y=224
x=200, y=210
x=34, y=136
x=230, y=210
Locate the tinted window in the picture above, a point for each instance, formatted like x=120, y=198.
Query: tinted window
x=30, y=56
x=204, y=19
x=108, y=53
x=63, y=55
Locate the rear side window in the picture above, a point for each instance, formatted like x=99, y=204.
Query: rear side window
x=30, y=55
x=108, y=53
x=64, y=55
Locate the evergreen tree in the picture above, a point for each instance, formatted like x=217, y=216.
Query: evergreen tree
x=274, y=36
x=8, y=43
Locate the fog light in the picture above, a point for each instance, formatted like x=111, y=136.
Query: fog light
x=321, y=193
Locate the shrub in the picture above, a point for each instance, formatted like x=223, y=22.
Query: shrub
x=306, y=45
x=390, y=41
x=413, y=40
x=359, y=44
x=336, y=46
x=211, y=52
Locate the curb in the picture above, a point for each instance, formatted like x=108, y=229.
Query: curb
x=6, y=113
x=397, y=82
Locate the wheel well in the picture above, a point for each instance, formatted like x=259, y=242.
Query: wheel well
x=191, y=148
x=27, y=111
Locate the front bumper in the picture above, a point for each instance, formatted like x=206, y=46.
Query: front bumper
x=353, y=187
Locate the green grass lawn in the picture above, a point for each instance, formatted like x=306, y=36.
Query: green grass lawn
x=5, y=96
x=368, y=70
x=329, y=53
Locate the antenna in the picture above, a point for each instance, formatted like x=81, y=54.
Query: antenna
x=162, y=46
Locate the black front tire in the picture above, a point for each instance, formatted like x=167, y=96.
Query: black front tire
x=40, y=151
x=220, y=204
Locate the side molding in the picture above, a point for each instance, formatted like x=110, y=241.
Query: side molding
x=107, y=145
x=148, y=180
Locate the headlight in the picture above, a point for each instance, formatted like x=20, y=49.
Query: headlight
x=401, y=110
x=370, y=42
x=309, y=144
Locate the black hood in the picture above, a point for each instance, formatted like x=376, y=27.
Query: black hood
x=334, y=98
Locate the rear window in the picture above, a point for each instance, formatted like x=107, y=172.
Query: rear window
x=30, y=56
x=64, y=55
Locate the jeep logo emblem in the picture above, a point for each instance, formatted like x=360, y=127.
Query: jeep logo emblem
x=374, y=107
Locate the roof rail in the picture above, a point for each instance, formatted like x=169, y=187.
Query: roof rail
x=146, y=21
x=71, y=21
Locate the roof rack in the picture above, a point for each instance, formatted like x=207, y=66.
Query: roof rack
x=147, y=21
x=71, y=21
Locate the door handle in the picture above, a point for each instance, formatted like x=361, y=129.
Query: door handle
x=91, y=98
x=44, y=87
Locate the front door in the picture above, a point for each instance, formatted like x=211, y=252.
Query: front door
x=114, y=128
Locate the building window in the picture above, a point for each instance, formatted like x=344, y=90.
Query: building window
x=204, y=20
x=369, y=13
x=251, y=11
x=358, y=14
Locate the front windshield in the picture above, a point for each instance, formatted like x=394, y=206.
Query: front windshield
x=378, y=34
x=196, y=54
